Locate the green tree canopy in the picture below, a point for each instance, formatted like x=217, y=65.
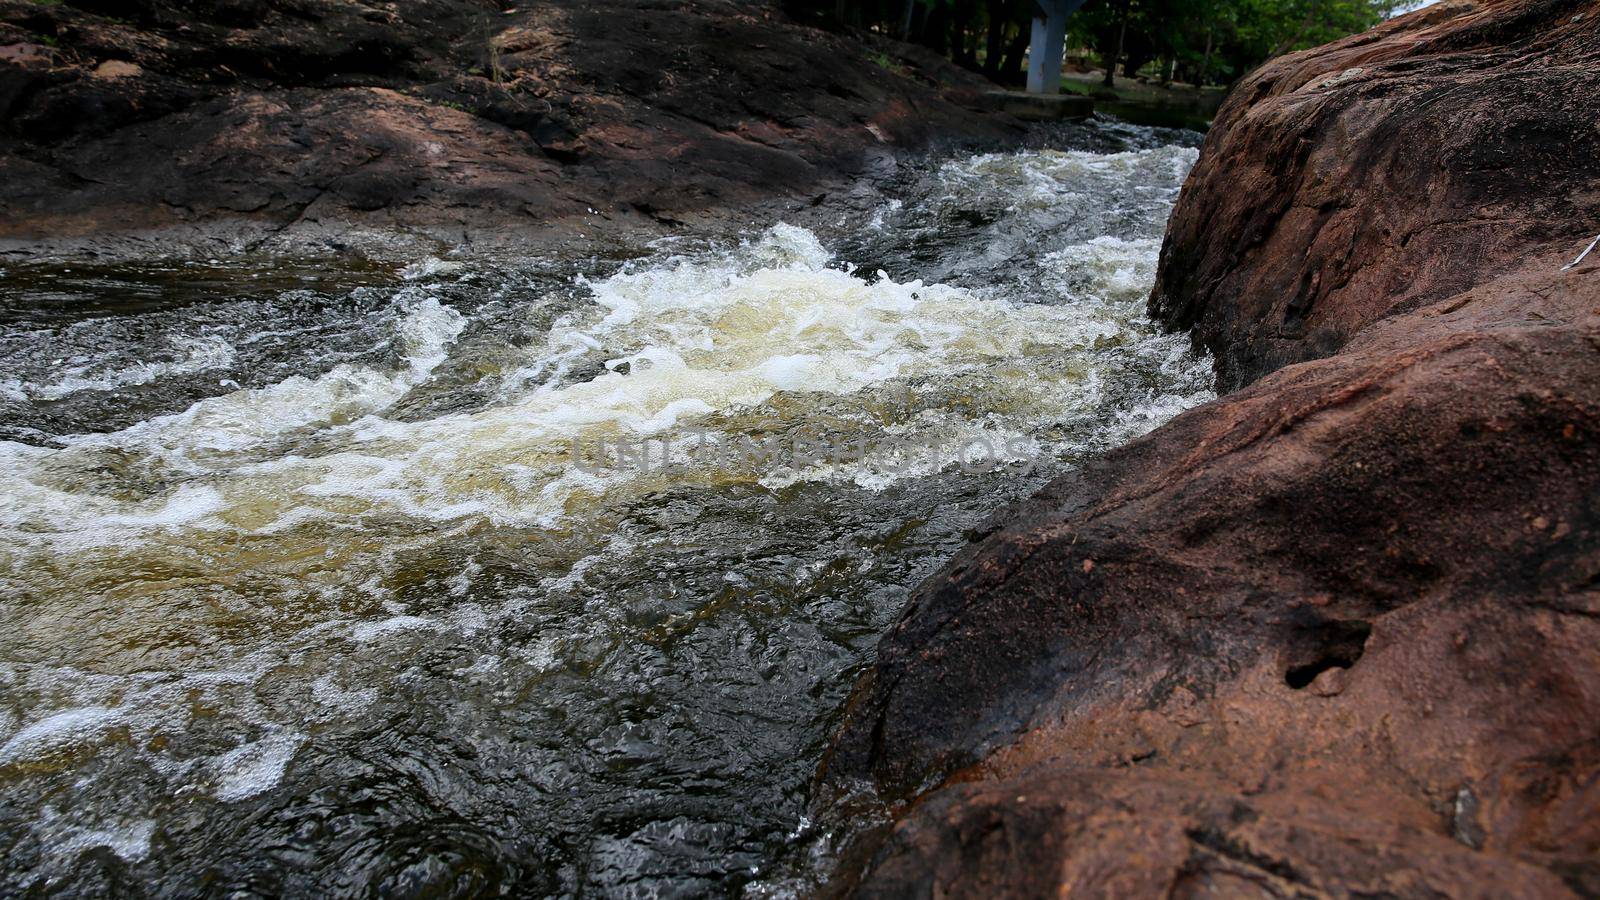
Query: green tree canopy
x=1199, y=41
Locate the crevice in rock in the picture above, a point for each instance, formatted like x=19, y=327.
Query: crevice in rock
x=1298, y=308
x=1330, y=645
x=1229, y=848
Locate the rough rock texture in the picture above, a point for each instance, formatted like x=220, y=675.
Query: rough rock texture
x=242, y=119
x=1381, y=173
x=1337, y=633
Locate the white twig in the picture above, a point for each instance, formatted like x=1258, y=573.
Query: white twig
x=1583, y=254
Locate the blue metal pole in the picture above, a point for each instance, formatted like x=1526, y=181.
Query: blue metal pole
x=1048, y=44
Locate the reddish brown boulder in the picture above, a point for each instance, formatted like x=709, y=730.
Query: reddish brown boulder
x=1381, y=173
x=1337, y=633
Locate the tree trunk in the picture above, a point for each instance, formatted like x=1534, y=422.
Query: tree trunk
x=961, y=13
x=1116, y=54
x=918, y=31
x=994, y=41
x=1205, y=65
x=1011, y=71
x=936, y=29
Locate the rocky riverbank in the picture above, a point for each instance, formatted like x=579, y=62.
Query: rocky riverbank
x=317, y=125
x=1335, y=633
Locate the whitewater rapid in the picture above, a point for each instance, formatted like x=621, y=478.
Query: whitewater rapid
x=384, y=549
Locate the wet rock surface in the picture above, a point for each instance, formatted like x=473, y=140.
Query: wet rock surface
x=309, y=122
x=1336, y=632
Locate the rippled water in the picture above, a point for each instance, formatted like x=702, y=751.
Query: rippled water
x=306, y=591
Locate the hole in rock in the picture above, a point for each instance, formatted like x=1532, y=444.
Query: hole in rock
x=1336, y=644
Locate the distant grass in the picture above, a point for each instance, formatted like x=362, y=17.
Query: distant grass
x=444, y=102
x=1132, y=90
x=887, y=63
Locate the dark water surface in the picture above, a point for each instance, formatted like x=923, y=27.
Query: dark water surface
x=302, y=592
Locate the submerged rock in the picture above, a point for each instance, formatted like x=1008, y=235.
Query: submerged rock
x=1338, y=632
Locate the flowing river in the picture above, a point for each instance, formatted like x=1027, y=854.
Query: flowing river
x=536, y=577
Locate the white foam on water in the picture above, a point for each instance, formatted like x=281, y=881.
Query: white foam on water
x=247, y=418
x=371, y=631
x=130, y=842
x=1119, y=270
x=430, y=267
x=64, y=730
x=699, y=337
x=617, y=547
x=339, y=700
x=190, y=504
x=1096, y=187
x=683, y=340
x=198, y=354
x=207, y=439
x=254, y=768
x=916, y=450
x=461, y=582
